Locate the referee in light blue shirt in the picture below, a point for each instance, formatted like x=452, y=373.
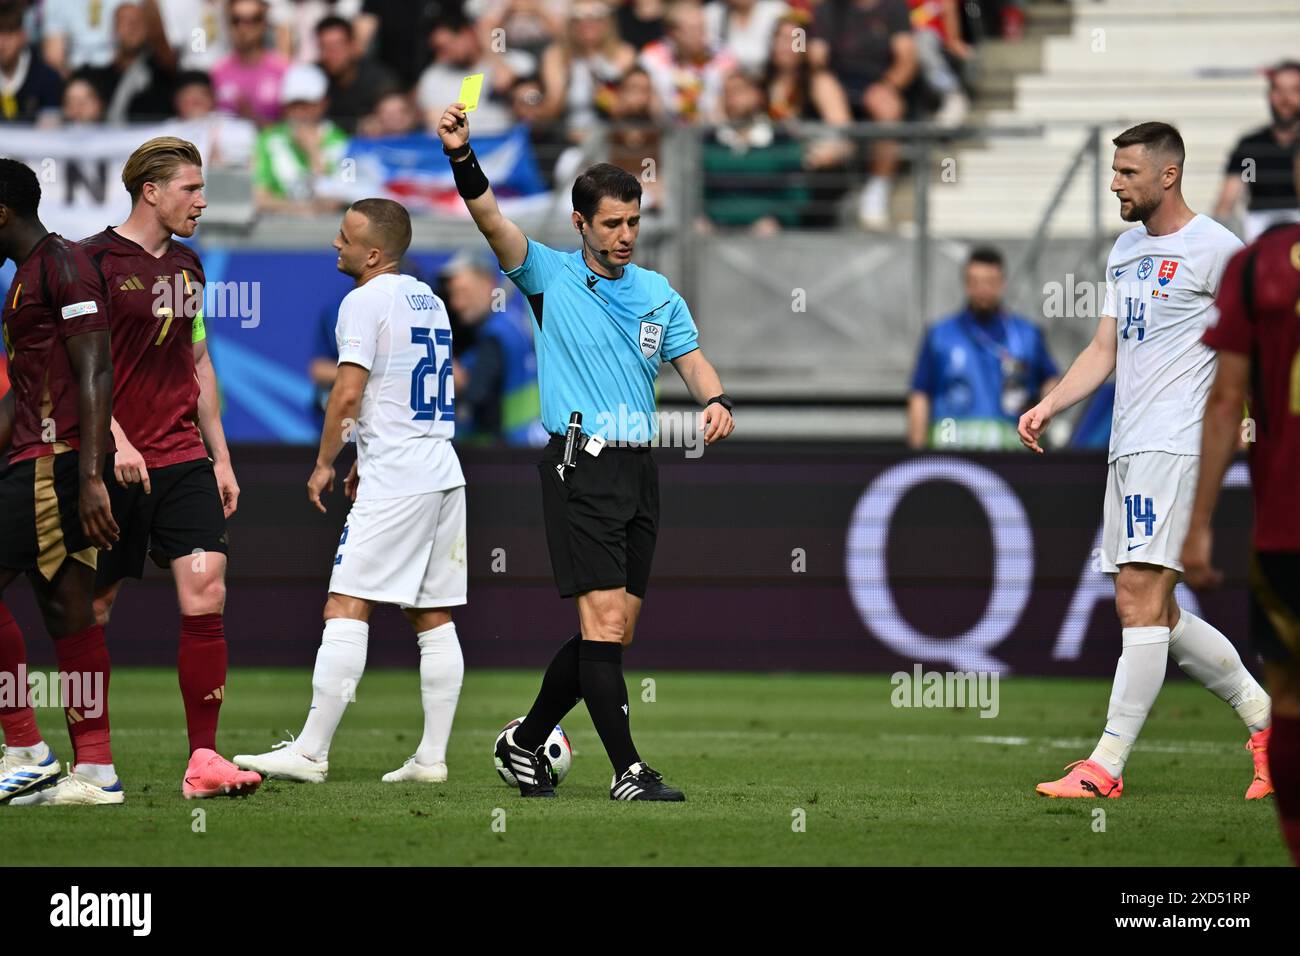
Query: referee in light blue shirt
x=602, y=328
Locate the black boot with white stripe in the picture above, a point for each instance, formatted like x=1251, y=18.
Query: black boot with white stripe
x=531, y=770
x=639, y=782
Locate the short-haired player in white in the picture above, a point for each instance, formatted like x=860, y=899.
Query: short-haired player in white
x=404, y=539
x=1161, y=280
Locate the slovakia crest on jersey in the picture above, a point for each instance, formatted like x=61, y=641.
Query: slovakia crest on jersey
x=652, y=335
x=1167, y=269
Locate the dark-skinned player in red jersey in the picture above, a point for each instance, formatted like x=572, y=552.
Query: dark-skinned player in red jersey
x=1258, y=340
x=54, y=507
x=170, y=499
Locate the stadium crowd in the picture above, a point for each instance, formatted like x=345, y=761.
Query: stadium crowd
x=285, y=84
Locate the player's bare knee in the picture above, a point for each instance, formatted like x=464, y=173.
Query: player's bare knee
x=426, y=619
x=607, y=624
x=346, y=607
x=103, y=608
x=204, y=596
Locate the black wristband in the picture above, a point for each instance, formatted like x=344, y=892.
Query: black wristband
x=460, y=152
x=723, y=399
x=470, y=181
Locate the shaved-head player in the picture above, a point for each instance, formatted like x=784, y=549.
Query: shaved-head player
x=404, y=540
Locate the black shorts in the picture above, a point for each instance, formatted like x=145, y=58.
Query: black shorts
x=1275, y=605
x=602, y=519
x=181, y=514
x=40, y=525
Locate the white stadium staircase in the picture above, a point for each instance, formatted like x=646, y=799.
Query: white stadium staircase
x=1195, y=63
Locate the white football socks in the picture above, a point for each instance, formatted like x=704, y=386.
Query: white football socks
x=33, y=754
x=442, y=669
x=340, y=663
x=1138, y=678
x=1203, y=653
x=100, y=774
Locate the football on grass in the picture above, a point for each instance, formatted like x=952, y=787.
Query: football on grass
x=558, y=752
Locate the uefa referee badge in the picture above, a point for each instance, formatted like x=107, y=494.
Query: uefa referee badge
x=652, y=335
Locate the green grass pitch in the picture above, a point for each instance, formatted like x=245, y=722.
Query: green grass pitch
x=877, y=785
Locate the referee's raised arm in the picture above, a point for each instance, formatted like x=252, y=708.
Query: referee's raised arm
x=506, y=239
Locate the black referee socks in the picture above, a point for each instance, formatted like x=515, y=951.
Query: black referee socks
x=601, y=676
x=560, y=691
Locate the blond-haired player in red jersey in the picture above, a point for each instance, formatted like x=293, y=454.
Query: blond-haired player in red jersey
x=170, y=499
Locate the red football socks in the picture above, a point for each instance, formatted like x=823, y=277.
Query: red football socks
x=18, y=722
x=1284, y=768
x=83, y=674
x=201, y=666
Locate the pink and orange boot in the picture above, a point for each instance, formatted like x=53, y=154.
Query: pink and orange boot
x=1262, y=785
x=1086, y=778
x=212, y=775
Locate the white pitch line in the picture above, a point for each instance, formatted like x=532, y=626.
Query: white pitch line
x=1074, y=743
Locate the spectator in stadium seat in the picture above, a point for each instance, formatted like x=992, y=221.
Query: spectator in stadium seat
x=581, y=70
x=868, y=45
x=197, y=31
x=396, y=32
x=641, y=22
x=355, y=84
x=79, y=33
x=752, y=170
x=248, y=80
x=936, y=28
x=194, y=98
x=133, y=86
x=296, y=25
x=1266, y=155
x=30, y=89
x=528, y=25
x=457, y=54
x=798, y=91
x=228, y=139
x=978, y=370
x=293, y=158
x=495, y=367
x=744, y=29
x=686, y=70
x=394, y=115
x=81, y=101
x=636, y=135
x=549, y=140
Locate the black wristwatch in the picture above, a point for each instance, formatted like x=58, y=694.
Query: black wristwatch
x=723, y=399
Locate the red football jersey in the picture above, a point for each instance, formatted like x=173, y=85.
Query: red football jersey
x=1259, y=316
x=56, y=293
x=156, y=306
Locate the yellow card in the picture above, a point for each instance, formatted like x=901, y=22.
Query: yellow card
x=470, y=88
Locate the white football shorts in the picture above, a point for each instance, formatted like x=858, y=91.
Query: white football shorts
x=1148, y=508
x=404, y=551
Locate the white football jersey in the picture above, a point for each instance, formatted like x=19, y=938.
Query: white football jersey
x=398, y=329
x=1160, y=291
